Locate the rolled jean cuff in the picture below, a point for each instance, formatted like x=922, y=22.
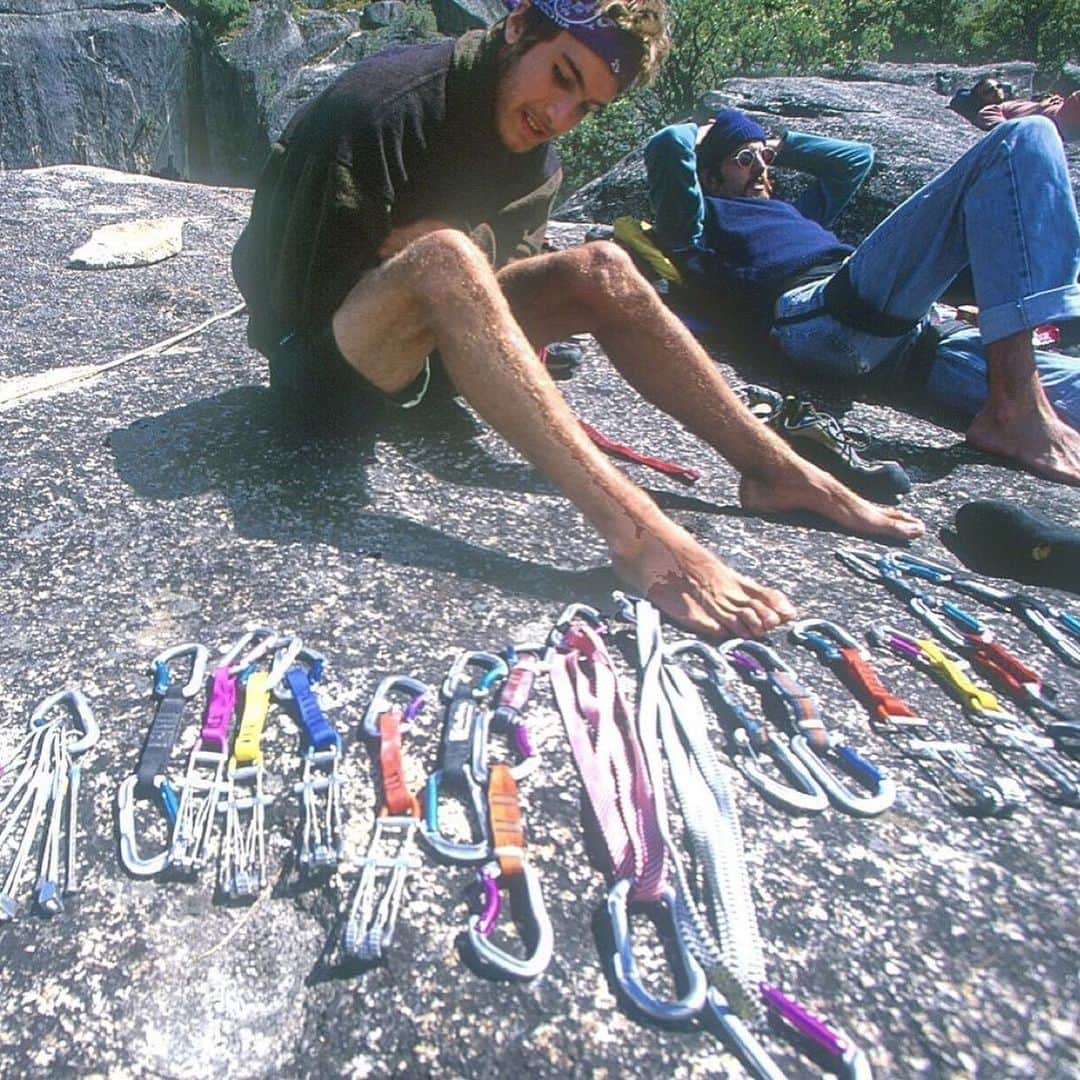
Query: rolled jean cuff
x=1005, y=320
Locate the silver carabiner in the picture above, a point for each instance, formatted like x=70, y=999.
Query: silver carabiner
x=140, y=866
x=382, y=700
x=80, y=710
x=533, y=915
x=687, y=970
x=200, y=659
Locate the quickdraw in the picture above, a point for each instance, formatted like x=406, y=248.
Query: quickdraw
x=384, y=870
x=243, y=863
x=1003, y=731
x=463, y=770
x=45, y=777
x=150, y=780
x=511, y=871
x=810, y=742
x=524, y=663
x=609, y=759
x=971, y=637
x=204, y=783
x=321, y=836
x=837, y=647
x=754, y=740
x=1059, y=630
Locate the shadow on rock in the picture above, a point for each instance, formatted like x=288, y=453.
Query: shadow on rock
x=289, y=486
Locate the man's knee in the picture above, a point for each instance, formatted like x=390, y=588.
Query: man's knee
x=601, y=268
x=446, y=264
x=1031, y=134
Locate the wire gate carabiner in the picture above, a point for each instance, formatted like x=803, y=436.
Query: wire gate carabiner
x=810, y=742
x=44, y=791
x=242, y=873
x=322, y=837
x=204, y=784
x=385, y=868
x=150, y=780
x=463, y=770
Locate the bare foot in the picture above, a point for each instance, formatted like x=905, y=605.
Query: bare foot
x=802, y=486
x=1035, y=438
x=692, y=586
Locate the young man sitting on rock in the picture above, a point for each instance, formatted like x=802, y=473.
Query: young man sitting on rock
x=373, y=238
x=1005, y=209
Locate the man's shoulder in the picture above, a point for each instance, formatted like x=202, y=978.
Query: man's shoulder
x=378, y=86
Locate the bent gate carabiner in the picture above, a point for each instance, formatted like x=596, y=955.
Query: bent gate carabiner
x=462, y=770
x=810, y=742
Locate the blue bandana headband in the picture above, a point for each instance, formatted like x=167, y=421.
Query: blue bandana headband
x=621, y=51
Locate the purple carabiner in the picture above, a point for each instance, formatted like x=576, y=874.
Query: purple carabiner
x=487, y=919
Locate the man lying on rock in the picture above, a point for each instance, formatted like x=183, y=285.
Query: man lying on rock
x=1005, y=209
x=374, y=235
x=989, y=103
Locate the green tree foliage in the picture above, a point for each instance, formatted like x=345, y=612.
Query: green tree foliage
x=712, y=41
x=217, y=17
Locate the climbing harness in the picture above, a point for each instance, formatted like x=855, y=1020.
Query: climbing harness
x=242, y=873
x=754, y=740
x=384, y=870
x=150, y=780
x=44, y=780
x=810, y=742
x=970, y=636
x=1059, y=630
x=321, y=836
x=511, y=871
x=1001, y=729
x=204, y=783
x=463, y=770
x=613, y=772
x=835, y=646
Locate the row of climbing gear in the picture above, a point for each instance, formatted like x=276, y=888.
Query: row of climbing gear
x=483, y=694
x=1003, y=729
x=226, y=772
x=40, y=782
x=707, y=912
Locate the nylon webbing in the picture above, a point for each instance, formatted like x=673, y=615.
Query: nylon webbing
x=609, y=759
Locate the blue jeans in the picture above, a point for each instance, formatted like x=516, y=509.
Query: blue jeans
x=1006, y=209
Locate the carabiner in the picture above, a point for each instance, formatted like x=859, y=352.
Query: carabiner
x=849, y=1062
x=566, y=617
x=79, y=709
x=810, y=741
x=688, y=972
x=752, y=738
x=384, y=720
x=382, y=701
x=150, y=779
x=996, y=796
x=836, y=646
x=525, y=663
x=462, y=758
x=527, y=906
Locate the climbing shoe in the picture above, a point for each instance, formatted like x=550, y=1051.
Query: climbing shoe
x=821, y=438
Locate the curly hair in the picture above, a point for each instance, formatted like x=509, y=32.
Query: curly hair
x=645, y=20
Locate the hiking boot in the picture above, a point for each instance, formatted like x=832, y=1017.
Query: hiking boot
x=821, y=438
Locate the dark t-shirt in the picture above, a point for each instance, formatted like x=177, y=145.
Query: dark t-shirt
x=405, y=134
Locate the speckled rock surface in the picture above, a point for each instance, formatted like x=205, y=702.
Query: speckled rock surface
x=162, y=502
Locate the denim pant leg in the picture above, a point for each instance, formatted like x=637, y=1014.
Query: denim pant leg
x=957, y=379
x=1005, y=208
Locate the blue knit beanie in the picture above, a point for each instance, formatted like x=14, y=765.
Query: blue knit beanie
x=731, y=128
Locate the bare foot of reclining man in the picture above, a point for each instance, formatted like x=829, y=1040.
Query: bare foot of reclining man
x=1017, y=421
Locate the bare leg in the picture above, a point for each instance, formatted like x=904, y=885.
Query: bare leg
x=596, y=287
x=1017, y=421
x=439, y=291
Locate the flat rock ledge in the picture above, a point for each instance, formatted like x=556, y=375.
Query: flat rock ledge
x=163, y=502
